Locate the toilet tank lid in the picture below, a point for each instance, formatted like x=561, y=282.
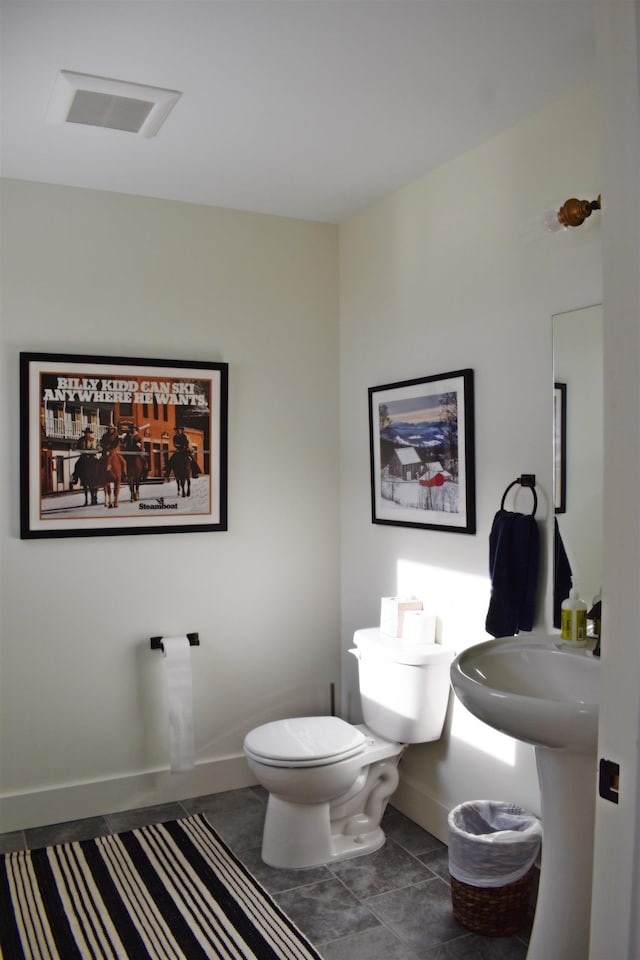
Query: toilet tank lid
x=372, y=642
x=304, y=739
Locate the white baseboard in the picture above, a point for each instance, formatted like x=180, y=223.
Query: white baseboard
x=411, y=799
x=76, y=801
x=60, y=804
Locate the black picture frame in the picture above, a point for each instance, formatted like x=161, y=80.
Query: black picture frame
x=422, y=452
x=68, y=403
x=560, y=447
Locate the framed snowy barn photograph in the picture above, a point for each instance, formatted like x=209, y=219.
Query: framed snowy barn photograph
x=422, y=453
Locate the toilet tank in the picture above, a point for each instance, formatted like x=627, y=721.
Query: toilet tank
x=404, y=690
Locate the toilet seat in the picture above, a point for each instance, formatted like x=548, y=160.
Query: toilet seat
x=304, y=742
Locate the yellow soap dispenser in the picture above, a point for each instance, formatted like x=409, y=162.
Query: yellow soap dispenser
x=573, y=619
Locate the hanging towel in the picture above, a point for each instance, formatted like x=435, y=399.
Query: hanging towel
x=513, y=565
x=562, y=575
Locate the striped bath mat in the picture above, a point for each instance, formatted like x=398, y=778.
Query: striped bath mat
x=172, y=891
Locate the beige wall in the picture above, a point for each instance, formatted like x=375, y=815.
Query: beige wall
x=436, y=278
x=432, y=279
x=83, y=721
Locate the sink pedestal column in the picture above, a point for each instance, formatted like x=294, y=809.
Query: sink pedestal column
x=568, y=791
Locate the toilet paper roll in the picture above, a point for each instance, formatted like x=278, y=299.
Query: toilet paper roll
x=419, y=627
x=392, y=611
x=177, y=652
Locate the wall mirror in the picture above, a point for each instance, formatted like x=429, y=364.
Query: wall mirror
x=578, y=452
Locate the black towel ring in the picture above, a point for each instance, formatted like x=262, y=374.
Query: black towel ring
x=526, y=480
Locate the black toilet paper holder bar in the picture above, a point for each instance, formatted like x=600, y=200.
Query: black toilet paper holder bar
x=193, y=638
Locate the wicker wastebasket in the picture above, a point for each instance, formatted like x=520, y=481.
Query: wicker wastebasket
x=493, y=847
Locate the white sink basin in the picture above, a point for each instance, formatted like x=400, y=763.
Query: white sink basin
x=532, y=689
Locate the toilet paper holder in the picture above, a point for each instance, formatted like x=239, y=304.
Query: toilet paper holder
x=193, y=638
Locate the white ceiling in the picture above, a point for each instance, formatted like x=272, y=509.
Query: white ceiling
x=293, y=107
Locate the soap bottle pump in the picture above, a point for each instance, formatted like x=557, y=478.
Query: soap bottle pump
x=573, y=619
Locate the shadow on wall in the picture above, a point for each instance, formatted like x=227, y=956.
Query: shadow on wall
x=302, y=700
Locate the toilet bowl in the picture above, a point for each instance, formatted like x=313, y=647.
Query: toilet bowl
x=325, y=804
x=329, y=781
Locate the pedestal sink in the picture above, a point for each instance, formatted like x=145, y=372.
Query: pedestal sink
x=544, y=693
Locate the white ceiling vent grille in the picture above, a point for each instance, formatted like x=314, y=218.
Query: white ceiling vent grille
x=113, y=104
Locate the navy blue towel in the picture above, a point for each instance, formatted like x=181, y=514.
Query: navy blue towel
x=513, y=564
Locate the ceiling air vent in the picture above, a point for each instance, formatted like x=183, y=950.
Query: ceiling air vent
x=112, y=104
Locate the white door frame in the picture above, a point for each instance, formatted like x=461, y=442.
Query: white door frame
x=615, y=930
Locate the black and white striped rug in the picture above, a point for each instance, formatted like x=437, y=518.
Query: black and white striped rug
x=172, y=891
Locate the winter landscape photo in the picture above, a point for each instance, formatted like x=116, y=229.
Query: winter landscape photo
x=421, y=436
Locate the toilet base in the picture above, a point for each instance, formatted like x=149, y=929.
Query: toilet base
x=298, y=835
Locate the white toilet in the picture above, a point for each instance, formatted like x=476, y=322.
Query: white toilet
x=329, y=781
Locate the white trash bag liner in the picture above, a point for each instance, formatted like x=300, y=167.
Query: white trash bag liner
x=492, y=843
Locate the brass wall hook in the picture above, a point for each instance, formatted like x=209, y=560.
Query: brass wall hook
x=574, y=212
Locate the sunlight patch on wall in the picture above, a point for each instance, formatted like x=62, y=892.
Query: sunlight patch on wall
x=461, y=601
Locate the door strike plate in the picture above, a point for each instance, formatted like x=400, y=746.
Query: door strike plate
x=609, y=780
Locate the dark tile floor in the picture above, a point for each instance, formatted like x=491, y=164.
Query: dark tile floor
x=394, y=904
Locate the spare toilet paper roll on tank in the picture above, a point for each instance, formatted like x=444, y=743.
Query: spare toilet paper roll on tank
x=177, y=653
x=392, y=612
x=418, y=627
